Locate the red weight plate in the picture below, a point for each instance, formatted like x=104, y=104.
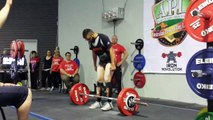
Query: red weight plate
x=13, y=49
x=124, y=104
x=75, y=96
x=163, y=55
x=199, y=21
x=21, y=48
x=139, y=80
x=179, y=54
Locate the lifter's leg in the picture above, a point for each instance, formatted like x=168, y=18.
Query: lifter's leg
x=100, y=75
x=24, y=109
x=107, y=77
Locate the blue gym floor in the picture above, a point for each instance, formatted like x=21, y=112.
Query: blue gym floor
x=57, y=106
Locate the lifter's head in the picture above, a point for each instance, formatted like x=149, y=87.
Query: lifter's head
x=114, y=39
x=88, y=34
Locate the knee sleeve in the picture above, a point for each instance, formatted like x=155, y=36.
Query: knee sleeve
x=100, y=85
x=109, y=86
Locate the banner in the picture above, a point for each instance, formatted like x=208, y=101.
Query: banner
x=167, y=46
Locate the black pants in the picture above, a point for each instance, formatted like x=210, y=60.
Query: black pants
x=34, y=79
x=46, y=76
x=5, y=78
x=13, y=95
x=210, y=105
x=56, y=79
x=116, y=82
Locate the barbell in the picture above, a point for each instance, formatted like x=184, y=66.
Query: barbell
x=139, y=62
x=17, y=49
x=75, y=49
x=198, y=20
x=139, y=80
x=199, y=71
x=164, y=55
x=127, y=101
x=138, y=44
x=199, y=25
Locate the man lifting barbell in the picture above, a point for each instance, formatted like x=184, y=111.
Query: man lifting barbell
x=101, y=47
x=20, y=97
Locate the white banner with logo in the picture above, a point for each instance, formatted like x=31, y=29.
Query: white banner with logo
x=167, y=47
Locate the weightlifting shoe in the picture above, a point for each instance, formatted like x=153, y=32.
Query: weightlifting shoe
x=52, y=88
x=107, y=106
x=48, y=89
x=96, y=105
x=42, y=89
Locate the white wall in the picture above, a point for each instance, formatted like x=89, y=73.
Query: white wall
x=75, y=15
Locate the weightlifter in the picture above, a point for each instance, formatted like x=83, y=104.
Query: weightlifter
x=101, y=47
x=10, y=94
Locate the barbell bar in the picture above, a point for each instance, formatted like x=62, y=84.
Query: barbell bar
x=135, y=100
x=127, y=101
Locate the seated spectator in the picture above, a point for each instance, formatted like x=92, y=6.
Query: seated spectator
x=69, y=71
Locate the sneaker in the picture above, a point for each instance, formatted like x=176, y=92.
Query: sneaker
x=42, y=88
x=48, y=88
x=96, y=105
x=51, y=89
x=107, y=106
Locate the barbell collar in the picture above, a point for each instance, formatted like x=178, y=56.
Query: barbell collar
x=135, y=79
x=200, y=14
x=140, y=103
x=133, y=43
x=136, y=61
x=201, y=74
x=7, y=48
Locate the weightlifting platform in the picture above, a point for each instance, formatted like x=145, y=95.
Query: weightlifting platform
x=57, y=106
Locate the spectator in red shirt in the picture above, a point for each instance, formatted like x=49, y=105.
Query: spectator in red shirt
x=34, y=69
x=69, y=71
x=120, y=57
x=56, y=79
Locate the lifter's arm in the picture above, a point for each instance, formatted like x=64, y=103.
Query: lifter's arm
x=112, y=57
x=94, y=56
x=4, y=12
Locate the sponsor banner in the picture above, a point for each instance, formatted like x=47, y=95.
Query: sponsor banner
x=167, y=46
